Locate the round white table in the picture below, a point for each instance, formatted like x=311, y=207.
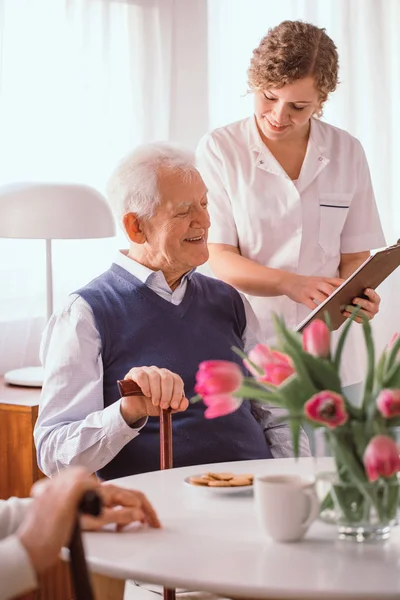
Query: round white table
x=214, y=543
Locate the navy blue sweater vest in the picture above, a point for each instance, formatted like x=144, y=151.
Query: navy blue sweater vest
x=139, y=328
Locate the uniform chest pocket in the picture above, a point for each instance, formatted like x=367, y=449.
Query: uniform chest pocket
x=333, y=211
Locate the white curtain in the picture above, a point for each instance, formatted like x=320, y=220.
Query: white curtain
x=365, y=103
x=82, y=82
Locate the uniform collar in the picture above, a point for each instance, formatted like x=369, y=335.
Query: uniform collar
x=315, y=160
x=316, y=136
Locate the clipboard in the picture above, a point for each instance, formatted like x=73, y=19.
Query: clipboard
x=370, y=274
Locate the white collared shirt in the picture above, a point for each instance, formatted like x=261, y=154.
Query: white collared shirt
x=17, y=575
x=73, y=426
x=302, y=227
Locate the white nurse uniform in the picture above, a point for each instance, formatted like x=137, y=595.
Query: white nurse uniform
x=303, y=226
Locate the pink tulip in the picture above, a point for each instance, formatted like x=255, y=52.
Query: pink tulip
x=388, y=403
x=217, y=377
x=275, y=366
x=275, y=373
x=317, y=339
x=381, y=458
x=326, y=408
x=220, y=405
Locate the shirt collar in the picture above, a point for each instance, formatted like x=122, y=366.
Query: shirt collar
x=316, y=136
x=144, y=274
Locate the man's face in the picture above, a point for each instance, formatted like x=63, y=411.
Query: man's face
x=176, y=235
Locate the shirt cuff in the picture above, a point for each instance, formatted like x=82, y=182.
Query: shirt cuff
x=16, y=571
x=116, y=428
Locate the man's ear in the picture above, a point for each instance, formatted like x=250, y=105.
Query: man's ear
x=133, y=228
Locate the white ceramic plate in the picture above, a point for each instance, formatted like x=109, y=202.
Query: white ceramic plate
x=223, y=491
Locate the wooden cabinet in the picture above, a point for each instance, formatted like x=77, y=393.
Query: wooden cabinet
x=19, y=470
x=18, y=414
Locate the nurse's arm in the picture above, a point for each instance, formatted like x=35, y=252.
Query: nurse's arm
x=252, y=278
x=350, y=262
x=244, y=274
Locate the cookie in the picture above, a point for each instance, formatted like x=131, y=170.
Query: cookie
x=219, y=483
x=245, y=476
x=239, y=481
x=221, y=476
x=198, y=481
x=222, y=480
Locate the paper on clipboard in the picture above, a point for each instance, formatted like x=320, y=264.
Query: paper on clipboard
x=370, y=274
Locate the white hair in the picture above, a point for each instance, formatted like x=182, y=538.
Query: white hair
x=133, y=187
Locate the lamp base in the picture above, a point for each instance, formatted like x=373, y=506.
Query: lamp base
x=27, y=376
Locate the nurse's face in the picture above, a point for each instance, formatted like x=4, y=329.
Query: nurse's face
x=285, y=112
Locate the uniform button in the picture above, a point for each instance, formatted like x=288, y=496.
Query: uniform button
x=127, y=438
x=261, y=162
x=320, y=158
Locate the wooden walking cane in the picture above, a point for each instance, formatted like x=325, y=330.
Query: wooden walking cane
x=127, y=387
x=89, y=505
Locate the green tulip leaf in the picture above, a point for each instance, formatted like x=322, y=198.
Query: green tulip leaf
x=392, y=377
x=340, y=345
x=394, y=354
x=369, y=381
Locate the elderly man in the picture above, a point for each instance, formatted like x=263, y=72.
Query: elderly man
x=150, y=318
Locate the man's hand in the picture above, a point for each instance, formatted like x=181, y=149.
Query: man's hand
x=161, y=389
x=309, y=291
x=50, y=520
x=369, y=306
x=121, y=506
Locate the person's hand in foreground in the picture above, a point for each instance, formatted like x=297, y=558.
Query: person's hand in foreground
x=50, y=520
x=122, y=507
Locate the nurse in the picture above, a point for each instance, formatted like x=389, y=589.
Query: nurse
x=292, y=208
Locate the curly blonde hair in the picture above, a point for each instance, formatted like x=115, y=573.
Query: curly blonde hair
x=291, y=51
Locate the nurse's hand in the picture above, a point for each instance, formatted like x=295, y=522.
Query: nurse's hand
x=309, y=291
x=369, y=305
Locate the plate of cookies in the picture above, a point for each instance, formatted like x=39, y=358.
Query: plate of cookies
x=221, y=483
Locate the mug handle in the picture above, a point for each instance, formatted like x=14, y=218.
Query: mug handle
x=314, y=508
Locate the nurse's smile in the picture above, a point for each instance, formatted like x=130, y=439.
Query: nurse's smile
x=275, y=127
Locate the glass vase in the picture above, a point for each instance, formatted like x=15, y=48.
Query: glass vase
x=361, y=511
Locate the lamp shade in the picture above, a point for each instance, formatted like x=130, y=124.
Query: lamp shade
x=54, y=211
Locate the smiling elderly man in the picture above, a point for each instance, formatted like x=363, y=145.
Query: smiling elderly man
x=149, y=308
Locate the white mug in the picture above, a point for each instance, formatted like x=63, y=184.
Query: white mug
x=286, y=505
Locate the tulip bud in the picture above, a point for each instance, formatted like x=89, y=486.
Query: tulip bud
x=267, y=361
x=327, y=408
x=381, y=458
x=317, y=339
x=388, y=403
x=276, y=373
x=393, y=340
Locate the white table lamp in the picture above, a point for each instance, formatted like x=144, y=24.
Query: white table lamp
x=51, y=211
